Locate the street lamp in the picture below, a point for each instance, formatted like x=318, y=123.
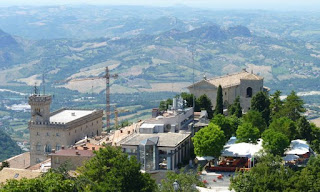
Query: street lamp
x=176, y=186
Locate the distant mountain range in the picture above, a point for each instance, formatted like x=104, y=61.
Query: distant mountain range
x=158, y=60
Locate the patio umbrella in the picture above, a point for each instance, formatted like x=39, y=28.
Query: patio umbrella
x=290, y=157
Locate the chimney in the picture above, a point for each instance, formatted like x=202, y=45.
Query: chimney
x=53, y=151
x=93, y=148
x=62, y=147
x=73, y=114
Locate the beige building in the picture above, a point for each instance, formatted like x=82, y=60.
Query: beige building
x=243, y=84
x=73, y=158
x=61, y=128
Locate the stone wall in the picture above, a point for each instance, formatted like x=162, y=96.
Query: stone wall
x=72, y=162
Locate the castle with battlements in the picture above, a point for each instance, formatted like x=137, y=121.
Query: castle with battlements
x=50, y=131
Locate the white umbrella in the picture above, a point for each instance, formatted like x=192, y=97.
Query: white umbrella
x=290, y=157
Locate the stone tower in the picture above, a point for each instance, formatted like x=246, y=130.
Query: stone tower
x=40, y=108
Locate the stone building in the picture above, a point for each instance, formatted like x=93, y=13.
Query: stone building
x=243, y=84
x=73, y=158
x=61, y=128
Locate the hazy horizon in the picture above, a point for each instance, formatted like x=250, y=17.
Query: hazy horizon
x=283, y=5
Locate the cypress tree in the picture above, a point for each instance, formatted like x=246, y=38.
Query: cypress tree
x=219, y=102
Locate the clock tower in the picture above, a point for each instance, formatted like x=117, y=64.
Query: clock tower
x=40, y=108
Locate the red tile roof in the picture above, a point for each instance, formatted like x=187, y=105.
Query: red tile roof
x=73, y=152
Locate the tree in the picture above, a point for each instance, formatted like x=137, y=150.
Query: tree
x=186, y=179
x=112, y=170
x=255, y=118
x=315, y=139
x=276, y=104
x=4, y=164
x=219, y=102
x=261, y=103
x=50, y=181
x=168, y=103
x=164, y=105
x=292, y=107
x=209, y=141
x=274, y=142
x=188, y=98
x=225, y=124
x=304, y=129
x=235, y=108
x=268, y=174
x=309, y=178
x=247, y=133
x=285, y=126
x=203, y=102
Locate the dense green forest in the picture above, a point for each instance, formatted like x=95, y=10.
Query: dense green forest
x=8, y=147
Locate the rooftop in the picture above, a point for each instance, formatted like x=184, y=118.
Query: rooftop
x=231, y=80
x=165, y=139
x=67, y=116
x=73, y=153
x=12, y=173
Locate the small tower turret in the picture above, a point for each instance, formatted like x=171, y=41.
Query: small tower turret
x=40, y=107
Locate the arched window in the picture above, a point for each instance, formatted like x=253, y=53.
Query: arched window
x=58, y=147
x=38, y=147
x=48, y=148
x=249, y=92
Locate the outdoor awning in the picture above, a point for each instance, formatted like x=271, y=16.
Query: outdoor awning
x=205, y=158
x=298, y=147
x=290, y=157
x=232, y=149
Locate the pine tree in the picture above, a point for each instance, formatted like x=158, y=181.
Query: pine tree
x=219, y=102
x=235, y=108
x=261, y=103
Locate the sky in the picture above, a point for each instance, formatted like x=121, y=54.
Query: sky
x=213, y=4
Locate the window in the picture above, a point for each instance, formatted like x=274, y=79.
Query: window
x=38, y=134
x=37, y=160
x=57, y=161
x=92, y=123
x=47, y=133
x=58, y=147
x=249, y=92
x=75, y=131
x=38, y=146
x=57, y=134
x=48, y=148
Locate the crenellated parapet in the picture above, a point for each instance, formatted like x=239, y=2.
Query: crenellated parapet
x=61, y=125
x=40, y=99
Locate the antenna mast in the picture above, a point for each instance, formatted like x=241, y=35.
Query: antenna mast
x=43, y=85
